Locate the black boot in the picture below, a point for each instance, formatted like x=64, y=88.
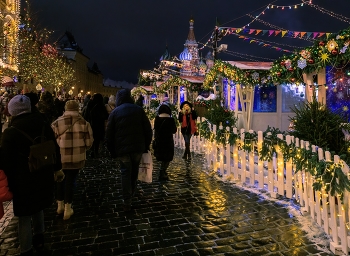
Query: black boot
x=28, y=253
x=163, y=176
x=38, y=242
x=188, y=151
x=186, y=154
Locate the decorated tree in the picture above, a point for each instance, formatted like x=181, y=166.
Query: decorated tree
x=40, y=60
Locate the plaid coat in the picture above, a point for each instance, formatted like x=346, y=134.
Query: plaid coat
x=73, y=140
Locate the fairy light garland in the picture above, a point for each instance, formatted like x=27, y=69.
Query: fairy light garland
x=267, y=42
x=327, y=176
x=330, y=13
x=281, y=29
x=246, y=56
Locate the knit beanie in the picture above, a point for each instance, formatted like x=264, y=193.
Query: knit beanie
x=72, y=105
x=18, y=105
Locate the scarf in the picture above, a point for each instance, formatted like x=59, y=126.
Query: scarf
x=192, y=123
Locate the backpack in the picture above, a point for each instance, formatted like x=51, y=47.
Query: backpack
x=42, y=154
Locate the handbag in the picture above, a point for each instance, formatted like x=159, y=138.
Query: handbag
x=146, y=168
x=42, y=152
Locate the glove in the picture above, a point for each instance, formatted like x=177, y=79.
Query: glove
x=59, y=176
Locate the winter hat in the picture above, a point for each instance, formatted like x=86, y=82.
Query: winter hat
x=185, y=102
x=18, y=105
x=71, y=105
x=164, y=109
x=34, y=99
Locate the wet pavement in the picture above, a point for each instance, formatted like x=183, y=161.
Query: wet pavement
x=192, y=214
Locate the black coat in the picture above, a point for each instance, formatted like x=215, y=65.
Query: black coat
x=164, y=128
x=32, y=192
x=128, y=130
x=98, y=116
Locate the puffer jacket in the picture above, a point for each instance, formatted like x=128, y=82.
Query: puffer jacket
x=128, y=129
x=74, y=140
x=32, y=191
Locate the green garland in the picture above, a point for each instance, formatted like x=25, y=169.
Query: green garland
x=334, y=51
x=327, y=174
x=139, y=90
x=247, y=77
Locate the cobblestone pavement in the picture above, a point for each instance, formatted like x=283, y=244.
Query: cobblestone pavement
x=192, y=214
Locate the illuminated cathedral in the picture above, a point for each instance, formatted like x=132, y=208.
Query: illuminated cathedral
x=188, y=63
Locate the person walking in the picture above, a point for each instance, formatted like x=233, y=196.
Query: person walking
x=32, y=191
x=74, y=137
x=47, y=107
x=96, y=114
x=164, y=127
x=187, y=118
x=128, y=135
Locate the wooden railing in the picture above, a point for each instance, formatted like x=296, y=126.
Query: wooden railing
x=280, y=178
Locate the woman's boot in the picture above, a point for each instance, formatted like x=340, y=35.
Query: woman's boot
x=68, y=211
x=60, y=207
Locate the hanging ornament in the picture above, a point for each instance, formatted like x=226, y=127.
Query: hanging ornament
x=332, y=45
x=321, y=43
x=346, y=45
x=339, y=37
x=302, y=63
x=325, y=57
x=305, y=54
x=288, y=63
x=255, y=75
x=310, y=61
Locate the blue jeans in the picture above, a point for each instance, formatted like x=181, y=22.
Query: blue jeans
x=25, y=234
x=129, y=167
x=187, y=138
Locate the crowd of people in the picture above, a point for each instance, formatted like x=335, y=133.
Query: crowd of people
x=77, y=127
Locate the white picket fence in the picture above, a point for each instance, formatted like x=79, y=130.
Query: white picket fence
x=279, y=178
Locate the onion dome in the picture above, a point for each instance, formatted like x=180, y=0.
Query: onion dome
x=202, y=65
x=166, y=55
x=185, y=55
x=209, y=56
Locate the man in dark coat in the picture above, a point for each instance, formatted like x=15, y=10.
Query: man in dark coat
x=128, y=134
x=96, y=114
x=32, y=191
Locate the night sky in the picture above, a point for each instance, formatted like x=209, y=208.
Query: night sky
x=123, y=37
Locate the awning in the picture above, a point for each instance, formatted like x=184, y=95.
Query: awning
x=7, y=81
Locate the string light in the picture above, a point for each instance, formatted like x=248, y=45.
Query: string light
x=282, y=29
x=330, y=13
